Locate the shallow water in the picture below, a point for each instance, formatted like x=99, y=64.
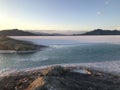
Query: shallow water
x=65, y=50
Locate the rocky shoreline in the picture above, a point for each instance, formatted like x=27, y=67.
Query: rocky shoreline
x=13, y=51
x=60, y=78
x=9, y=45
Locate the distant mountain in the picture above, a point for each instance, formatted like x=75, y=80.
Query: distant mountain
x=101, y=32
x=49, y=34
x=56, y=32
x=16, y=32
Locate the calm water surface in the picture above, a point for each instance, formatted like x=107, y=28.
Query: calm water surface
x=64, y=49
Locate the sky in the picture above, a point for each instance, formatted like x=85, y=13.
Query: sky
x=81, y=15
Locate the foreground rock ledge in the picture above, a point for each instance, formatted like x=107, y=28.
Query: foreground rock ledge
x=61, y=78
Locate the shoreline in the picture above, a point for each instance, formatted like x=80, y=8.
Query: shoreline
x=40, y=47
x=8, y=72
x=15, y=72
x=13, y=51
x=10, y=45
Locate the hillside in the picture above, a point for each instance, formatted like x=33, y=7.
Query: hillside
x=16, y=32
x=17, y=45
x=101, y=32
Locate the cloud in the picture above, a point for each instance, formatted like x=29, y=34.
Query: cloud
x=107, y=2
x=98, y=12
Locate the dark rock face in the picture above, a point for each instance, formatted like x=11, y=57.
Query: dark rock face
x=56, y=80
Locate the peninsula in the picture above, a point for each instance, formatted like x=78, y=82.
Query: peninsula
x=13, y=45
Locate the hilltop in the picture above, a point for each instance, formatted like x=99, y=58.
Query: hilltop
x=101, y=32
x=16, y=32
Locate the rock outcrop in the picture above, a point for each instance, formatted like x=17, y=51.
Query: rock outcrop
x=7, y=44
x=60, y=78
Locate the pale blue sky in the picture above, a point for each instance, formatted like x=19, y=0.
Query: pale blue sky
x=60, y=14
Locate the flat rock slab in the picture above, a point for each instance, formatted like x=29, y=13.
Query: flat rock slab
x=60, y=78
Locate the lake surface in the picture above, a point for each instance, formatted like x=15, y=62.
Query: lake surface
x=98, y=51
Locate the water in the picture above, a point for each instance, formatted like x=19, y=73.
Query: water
x=84, y=50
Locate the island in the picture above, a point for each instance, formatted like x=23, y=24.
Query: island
x=60, y=78
x=10, y=45
x=101, y=32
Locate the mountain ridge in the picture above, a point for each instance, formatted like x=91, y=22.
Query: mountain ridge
x=101, y=32
x=16, y=32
